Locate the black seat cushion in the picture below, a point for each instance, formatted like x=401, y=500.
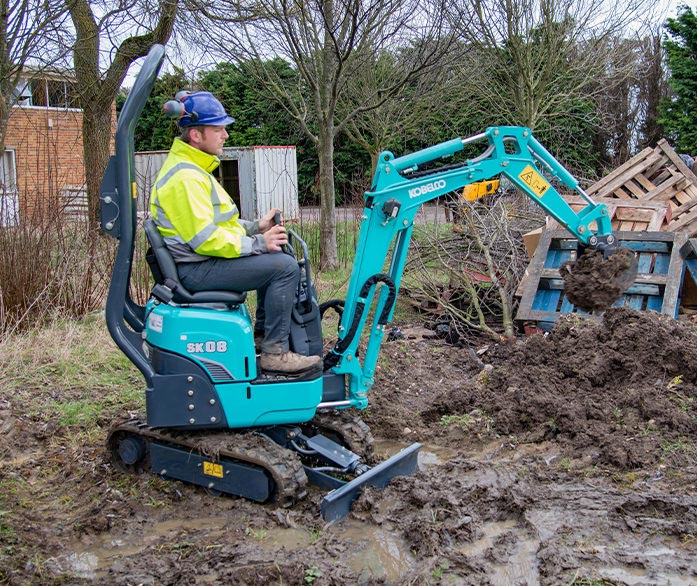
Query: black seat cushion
x=164, y=271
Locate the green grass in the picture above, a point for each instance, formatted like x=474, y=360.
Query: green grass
x=463, y=421
x=69, y=370
x=681, y=445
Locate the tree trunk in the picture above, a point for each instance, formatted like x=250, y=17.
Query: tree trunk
x=654, y=92
x=97, y=90
x=96, y=136
x=328, y=253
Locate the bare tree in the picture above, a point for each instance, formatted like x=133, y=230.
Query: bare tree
x=102, y=36
x=538, y=56
x=328, y=42
x=29, y=36
x=654, y=88
x=470, y=277
x=431, y=107
x=618, y=106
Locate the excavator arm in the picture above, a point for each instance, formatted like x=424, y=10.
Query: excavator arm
x=400, y=187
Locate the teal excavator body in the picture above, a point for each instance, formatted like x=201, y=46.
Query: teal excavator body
x=213, y=418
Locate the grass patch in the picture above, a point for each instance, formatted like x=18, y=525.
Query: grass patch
x=70, y=370
x=463, y=421
x=679, y=446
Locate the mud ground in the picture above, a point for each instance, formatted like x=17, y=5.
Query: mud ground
x=569, y=458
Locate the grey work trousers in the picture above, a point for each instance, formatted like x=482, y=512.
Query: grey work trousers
x=273, y=275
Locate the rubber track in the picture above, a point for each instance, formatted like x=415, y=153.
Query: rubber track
x=282, y=465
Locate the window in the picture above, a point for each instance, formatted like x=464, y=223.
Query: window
x=9, y=204
x=47, y=93
x=22, y=93
x=61, y=94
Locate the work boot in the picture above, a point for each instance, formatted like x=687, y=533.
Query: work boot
x=288, y=362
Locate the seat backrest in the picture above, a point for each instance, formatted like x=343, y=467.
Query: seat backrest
x=164, y=270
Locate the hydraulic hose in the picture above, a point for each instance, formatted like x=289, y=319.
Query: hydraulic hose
x=333, y=356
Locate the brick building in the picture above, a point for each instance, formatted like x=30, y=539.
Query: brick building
x=43, y=168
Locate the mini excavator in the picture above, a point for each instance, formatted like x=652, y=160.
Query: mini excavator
x=213, y=418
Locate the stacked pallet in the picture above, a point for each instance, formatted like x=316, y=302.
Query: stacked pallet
x=656, y=175
x=652, y=204
x=657, y=285
x=625, y=215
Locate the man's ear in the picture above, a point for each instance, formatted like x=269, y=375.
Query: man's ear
x=195, y=136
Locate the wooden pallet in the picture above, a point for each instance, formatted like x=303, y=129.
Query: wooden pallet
x=657, y=286
x=656, y=175
x=689, y=255
x=626, y=215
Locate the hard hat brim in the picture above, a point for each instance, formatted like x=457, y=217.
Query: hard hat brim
x=220, y=121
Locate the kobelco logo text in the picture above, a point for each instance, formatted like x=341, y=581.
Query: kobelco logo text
x=428, y=188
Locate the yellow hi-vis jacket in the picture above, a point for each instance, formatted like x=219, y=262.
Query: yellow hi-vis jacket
x=194, y=214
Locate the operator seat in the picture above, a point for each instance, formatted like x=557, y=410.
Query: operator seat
x=164, y=271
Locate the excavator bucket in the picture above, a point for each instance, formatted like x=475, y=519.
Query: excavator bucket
x=337, y=504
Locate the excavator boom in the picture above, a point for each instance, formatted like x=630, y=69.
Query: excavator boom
x=401, y=185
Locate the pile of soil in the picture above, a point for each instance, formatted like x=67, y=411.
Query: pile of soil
x=568, y=458
x=610, y=391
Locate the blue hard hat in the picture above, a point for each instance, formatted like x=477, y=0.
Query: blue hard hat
x=197, y=109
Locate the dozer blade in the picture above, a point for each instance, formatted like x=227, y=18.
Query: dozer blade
x=337, y=503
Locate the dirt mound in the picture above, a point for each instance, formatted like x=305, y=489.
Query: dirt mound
x=615, y=392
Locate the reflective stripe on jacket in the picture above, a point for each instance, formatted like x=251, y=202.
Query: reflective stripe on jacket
x=194, y=214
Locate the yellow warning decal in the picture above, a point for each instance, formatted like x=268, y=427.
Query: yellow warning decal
x=212, y=469
x=534, y=180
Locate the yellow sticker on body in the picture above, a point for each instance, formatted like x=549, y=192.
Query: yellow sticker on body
x=212, y=469
x=534, y=180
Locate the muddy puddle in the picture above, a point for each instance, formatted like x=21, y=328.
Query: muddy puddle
x=503, y=515
x=91, y=556
x=520, y=567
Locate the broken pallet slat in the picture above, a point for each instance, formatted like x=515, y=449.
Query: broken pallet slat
x=657, y=175
x=594, y=190
x=676, y=160
x=617, y=180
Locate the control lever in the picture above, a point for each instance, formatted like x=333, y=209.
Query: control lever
x=278, y=221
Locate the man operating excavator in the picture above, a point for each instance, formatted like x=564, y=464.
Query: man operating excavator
x=214, y=249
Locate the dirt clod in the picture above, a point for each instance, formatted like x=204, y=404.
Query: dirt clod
x=593, y=282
